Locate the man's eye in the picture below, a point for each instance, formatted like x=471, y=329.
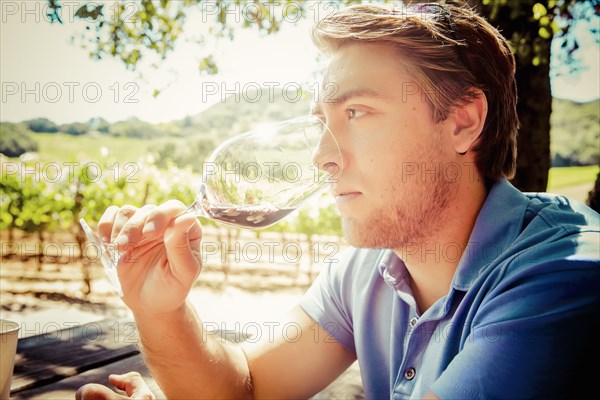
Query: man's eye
x=353, y=113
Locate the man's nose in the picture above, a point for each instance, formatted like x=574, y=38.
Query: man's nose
x=327, y=155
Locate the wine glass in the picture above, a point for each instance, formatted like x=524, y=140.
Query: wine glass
x=256, y=178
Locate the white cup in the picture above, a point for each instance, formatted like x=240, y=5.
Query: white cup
x=8, y=348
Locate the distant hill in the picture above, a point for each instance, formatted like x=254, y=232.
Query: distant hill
x=237, y=114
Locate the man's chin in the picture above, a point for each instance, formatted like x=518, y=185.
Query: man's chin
x=349, y=231
x=361, y=235
x=378, y=233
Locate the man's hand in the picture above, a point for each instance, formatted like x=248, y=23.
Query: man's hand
x=160, y=254
x=131, y=383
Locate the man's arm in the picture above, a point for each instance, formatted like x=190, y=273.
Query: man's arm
x=296, y=359
x=186, y=362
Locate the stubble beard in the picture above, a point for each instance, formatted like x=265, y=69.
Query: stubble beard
x=417, y=210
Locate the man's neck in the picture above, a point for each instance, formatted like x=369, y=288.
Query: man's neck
x=433, y=262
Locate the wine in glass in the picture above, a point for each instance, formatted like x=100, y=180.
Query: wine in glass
x=256, y=178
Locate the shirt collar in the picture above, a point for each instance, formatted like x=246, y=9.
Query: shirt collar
x=393, y=271
x=497, y=226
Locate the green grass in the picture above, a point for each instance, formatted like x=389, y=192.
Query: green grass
x=63, y=147
x=562, y=177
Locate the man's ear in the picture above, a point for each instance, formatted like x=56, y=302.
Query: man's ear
x=468, y=122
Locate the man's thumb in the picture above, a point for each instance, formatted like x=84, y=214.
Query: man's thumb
x=182, y=242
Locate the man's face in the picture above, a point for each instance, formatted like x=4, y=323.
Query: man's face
x=392, y=189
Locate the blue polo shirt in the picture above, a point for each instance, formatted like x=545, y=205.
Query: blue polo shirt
x=519, y=320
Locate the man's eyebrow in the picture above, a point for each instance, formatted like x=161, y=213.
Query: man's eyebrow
x=348, y=94
x=317, y=107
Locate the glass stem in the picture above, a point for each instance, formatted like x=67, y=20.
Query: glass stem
x=196, y=207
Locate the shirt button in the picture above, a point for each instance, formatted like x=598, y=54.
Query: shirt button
x=390, y=280
x=409, y=373
x=413, y=322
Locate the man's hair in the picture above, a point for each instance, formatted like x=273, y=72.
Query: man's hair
x=451, y=51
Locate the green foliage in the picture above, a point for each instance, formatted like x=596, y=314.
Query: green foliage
x=136, y=128
x=129, y=30
x=575, y=133
x=527, y=44
x=182, y=153
x=321, y=219
x=133, y=128
x=208, y=65
x=15, y=140
x=99, y=124
x=75, y=128
x=33, y=201
x=329, y=221
x=42, y=125
x=124, y=29
x=28, y=202
x=165, y=154
x=530, y=25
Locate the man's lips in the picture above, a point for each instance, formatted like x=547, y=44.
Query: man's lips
x=341, y=197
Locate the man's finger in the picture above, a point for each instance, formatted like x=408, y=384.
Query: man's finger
x=106, y=222
x=133, y=384
x=121, y=218
x=132, y=231
x=94, y=391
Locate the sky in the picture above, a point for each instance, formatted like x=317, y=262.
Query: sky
x=46, y=74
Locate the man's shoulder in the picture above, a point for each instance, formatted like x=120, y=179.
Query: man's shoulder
x=560, y=211
x=556, y=227
x=528, y=237
x=559, y=239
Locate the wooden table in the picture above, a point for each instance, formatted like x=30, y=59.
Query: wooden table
x=54, y=365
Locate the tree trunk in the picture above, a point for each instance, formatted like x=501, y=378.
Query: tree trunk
x=39, y=257
x=534, y=109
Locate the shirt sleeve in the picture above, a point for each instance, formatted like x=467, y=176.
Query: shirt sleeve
x=527, y=340
x=328, y=300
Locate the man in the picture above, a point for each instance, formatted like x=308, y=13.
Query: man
x=459, y=285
